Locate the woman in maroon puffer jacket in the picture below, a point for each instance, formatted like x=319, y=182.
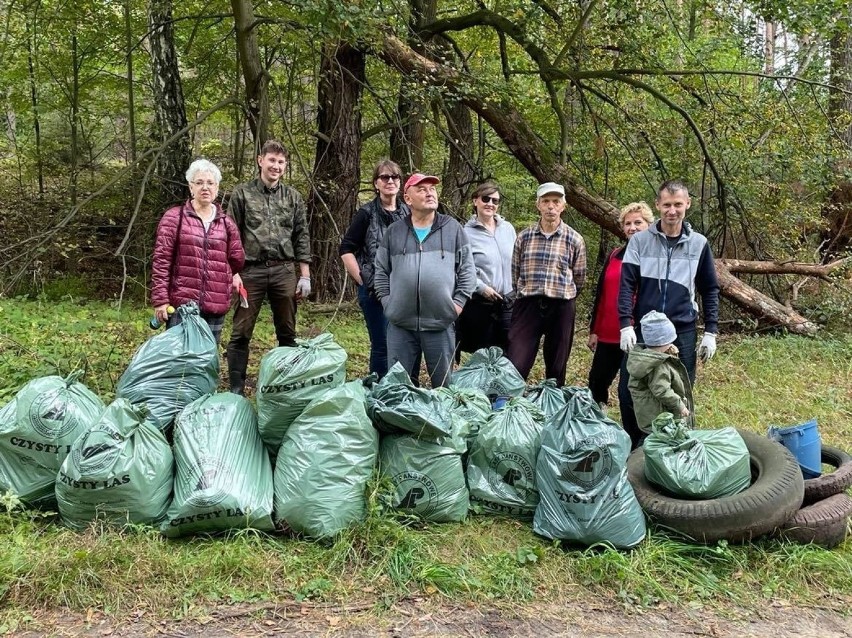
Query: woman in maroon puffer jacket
x=197, y=252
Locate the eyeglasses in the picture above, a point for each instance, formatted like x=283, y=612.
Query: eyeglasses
x=201, y=182
x=485, y=199
x=387, y=178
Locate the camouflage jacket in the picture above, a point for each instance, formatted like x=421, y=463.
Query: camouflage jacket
x=272, y=222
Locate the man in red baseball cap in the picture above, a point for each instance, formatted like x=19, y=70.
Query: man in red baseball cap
x=424, y=276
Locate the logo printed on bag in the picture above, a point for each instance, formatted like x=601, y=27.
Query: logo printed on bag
x=418, y=492
x=50, y=416
x=208, y=482
x=96, y=449
x=508, y=469
x=591, y=469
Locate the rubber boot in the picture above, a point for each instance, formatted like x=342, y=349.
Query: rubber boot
x=237, y=365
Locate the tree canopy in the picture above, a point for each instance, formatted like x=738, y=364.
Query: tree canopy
x=748, y=102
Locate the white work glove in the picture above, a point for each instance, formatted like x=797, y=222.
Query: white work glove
x=628, y=338
x=708, y=346
x=303, y=288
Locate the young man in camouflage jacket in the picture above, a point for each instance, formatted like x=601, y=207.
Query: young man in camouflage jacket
x=274, y=230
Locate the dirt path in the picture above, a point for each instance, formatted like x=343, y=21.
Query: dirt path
x=419, y=618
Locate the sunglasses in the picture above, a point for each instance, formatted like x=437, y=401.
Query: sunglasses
x=486, y=199
x=387, y=178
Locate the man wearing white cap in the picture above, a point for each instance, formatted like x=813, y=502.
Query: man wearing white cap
x=548, y=271
x=424, y=276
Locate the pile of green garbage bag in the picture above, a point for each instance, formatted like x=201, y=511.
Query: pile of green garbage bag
x=488, y=371
x=119, y=471
x=581, y=472
x=700, y=464
x=290, y=378
x=37, y=428
x=322, y=468
x=501, y=467
x=173, y=368
x=396, y=406
x=427, y=476
x=223, y=478
x=469, y=410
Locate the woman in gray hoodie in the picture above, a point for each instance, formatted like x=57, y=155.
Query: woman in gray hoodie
x=486, y=317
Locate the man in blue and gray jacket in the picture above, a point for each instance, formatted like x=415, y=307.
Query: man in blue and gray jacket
x=424, y=276
x=663, y=268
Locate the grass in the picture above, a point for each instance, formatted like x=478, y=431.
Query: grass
x=753, y=382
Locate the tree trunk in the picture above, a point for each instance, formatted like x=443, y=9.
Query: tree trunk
x=461, y=172
x=756, y=303
x=131, y=108
x=32, y=58
x=169, y=109
x=838, y=210
x=407, y=137
x=75, y=118
x=769, y=48
x=333, y=198
x=255, y=76
x=539, y=160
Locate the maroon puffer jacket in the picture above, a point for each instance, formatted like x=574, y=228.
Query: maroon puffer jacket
x=204, y=263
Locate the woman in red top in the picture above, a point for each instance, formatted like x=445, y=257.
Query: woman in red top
x=604, y=333
x=197, y=252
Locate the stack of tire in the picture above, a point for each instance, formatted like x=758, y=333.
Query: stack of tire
x=826, y=508
x=779, y=500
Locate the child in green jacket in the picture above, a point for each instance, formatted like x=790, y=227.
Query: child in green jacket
x=658, y=380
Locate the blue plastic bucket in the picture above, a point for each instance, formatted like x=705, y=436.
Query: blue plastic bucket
x=804, y=442
x=499, y=403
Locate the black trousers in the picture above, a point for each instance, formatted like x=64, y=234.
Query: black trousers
x=537, y=317
x=606, y=363
x=483, y=324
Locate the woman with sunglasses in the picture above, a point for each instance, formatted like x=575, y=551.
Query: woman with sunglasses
x=358, y=253
x=485, y=319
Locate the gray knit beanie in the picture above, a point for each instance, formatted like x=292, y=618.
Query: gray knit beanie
x=657, y=330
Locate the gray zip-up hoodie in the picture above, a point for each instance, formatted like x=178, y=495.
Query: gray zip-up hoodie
x=492, y=254
x=417, y=283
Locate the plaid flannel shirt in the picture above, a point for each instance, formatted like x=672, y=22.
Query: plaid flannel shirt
x=553, y=266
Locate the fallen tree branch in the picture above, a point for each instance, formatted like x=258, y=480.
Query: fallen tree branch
x=758, y=304
x=783, y=267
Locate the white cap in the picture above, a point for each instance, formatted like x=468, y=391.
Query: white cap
x=548, y=188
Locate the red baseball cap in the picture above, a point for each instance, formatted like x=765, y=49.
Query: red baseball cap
x=420, y=178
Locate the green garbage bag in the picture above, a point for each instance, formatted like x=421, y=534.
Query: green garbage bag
x=469, y=410
x=324, y=463
x=700, y=464
x=549, y=397
x=37, y=428
x=173, y=368
x=396, y=406
x=427, y=476
x=120, y=470
x=492, y=373
x=501, y=467
x=584, y=495
x=223, y=477
x=290, y=378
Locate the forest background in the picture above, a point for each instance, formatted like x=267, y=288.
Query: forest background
x=107, y=103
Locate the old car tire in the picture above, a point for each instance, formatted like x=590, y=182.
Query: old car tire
x=774, y=496
x=834, y=482
x=824, y=523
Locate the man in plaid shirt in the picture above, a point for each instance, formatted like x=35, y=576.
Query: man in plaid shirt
x=548, y=270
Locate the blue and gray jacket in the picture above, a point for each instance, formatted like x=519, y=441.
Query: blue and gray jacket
x=657, y=276
x=417, y=283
